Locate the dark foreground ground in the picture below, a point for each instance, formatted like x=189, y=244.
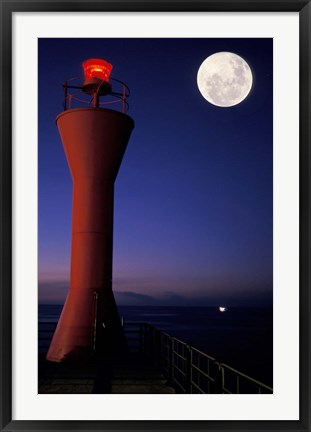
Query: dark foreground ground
x=133, y=374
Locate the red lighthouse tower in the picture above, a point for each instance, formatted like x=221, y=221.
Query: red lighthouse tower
x=94, y=139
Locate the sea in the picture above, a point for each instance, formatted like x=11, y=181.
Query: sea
x=240, y=337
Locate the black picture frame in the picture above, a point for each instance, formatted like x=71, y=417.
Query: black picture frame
x=8, y=7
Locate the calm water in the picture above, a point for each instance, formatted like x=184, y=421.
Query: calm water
x=240, y=337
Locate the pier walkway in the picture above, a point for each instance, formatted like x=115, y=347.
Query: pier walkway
x=134, y=374
x=156, y=363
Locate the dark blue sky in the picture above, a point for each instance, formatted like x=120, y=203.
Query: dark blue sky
x=193, y=197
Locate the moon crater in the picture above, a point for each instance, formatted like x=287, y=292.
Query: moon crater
x=224, y=79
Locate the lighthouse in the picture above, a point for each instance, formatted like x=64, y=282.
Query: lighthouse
x=94, y=138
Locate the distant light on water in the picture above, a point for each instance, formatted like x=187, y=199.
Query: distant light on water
x=222, y=309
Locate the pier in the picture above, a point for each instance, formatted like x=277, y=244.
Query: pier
x=156, y=362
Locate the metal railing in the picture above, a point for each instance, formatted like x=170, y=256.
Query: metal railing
x=186, y=368
x=75, y=99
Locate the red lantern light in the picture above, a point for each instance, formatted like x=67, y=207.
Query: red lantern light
x=97, y=68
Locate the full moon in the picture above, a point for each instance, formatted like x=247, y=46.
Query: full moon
x=224, y=79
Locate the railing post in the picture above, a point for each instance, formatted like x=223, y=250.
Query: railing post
x=95, y=320
x=141, y=329
x=158, y=347
x=188, y=369
x=222, y=379
x=170, y=360
x=69, y=101
x=219, y=378
x=123, y=98
x=153, y=349
x=65, y=95
x=147, y=342
x=147, y=339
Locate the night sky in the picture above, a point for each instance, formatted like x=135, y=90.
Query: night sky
x=193, y=217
